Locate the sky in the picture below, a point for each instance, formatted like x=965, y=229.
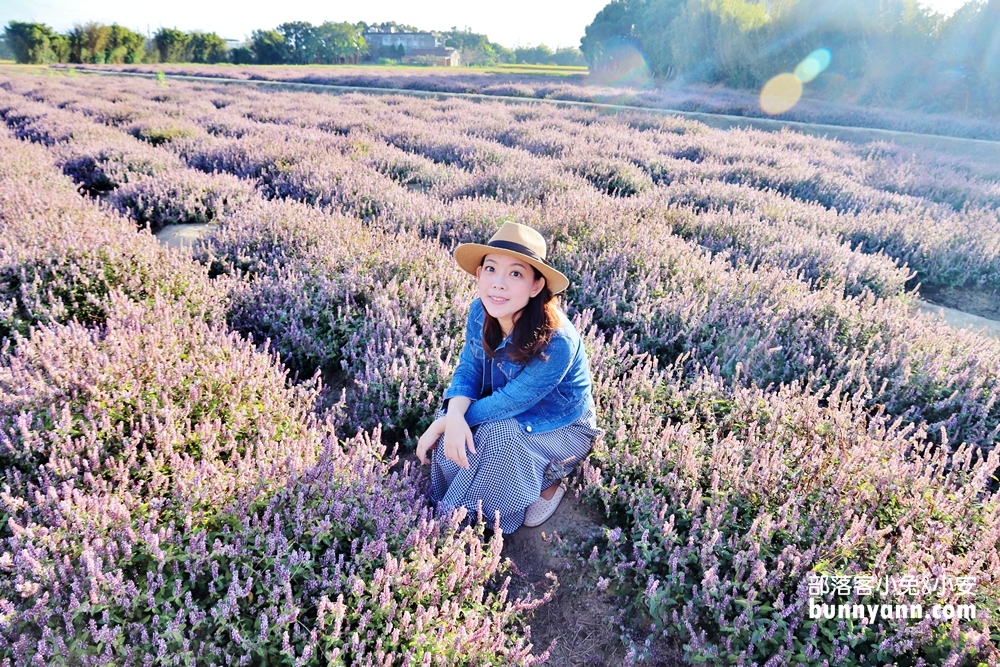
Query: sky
x=511, y=23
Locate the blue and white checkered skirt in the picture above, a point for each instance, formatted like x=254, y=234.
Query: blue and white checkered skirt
x=510, y=467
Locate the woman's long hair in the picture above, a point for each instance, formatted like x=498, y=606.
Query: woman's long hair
x=532, y=331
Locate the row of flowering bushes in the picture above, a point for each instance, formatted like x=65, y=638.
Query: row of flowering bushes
x=168, y=497
x=721, y=502
x=384, y=310
x=578, y=89
x=720, y=496
x=911, y=206
x=60, y=257
x=938, y=217
x=622, y=254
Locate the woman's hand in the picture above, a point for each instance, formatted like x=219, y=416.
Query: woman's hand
x=429, y=439
x=457, y=435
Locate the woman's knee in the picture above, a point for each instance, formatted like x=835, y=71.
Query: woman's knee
x=490, y=435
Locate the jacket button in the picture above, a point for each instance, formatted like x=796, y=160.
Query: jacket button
x=528, y=428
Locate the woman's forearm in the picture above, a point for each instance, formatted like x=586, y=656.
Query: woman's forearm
x=457, y=405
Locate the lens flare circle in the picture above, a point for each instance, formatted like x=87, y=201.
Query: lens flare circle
x=807, y=70
x=812, y=65
x=780, y=94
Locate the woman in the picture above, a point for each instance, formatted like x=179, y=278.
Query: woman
x=519, y=413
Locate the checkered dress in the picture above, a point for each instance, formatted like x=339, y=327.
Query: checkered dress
x=510, y=467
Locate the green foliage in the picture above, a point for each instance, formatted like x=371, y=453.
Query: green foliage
x=241, y=55
x=125, y=46
x=302, y=43
x=171, y=44
x=476, y=48
x=645, y=24
x=35, y=43
x=893, y=52
x=389, y=53
x=97, y=43
x=205, y=47
x=723, y=41
x=339, y=42
x=543, y=55
x=268, y=47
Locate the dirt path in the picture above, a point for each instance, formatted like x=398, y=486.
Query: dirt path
x=961, y=320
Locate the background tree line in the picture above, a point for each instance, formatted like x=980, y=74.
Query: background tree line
x=889, y=52
x=292, y=43
x=97, y=43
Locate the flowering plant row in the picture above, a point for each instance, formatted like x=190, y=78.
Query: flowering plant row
x=707, y=99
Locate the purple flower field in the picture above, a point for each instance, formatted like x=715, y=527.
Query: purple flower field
x=578, y=87
x=203, y=453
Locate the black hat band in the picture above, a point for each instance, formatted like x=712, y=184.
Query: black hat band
x=517, y=247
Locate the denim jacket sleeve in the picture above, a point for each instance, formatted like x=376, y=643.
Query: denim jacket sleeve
x=467, y=380
x=528, y=387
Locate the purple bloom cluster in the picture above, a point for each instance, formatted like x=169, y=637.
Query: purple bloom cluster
x=772, y=406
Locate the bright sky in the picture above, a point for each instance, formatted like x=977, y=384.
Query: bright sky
x=511, y=23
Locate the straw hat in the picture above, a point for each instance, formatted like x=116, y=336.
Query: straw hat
x=517, y=240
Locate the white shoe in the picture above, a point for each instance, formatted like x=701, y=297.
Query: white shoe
x=539, y=511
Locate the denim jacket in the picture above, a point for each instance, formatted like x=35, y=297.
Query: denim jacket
x=540, y=395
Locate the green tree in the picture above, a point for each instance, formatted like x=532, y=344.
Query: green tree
x=534, y=55
x=642, y=25
x=171, y=44
x=301, y=43
x=89, y=43
x=612, y=26
x=241, y=55
x=968, y=50
x=568, y=55
x=340, y=42
x=655, y=33
x=721, y=41
x=389, y=52
x=125, y=46
x=268, y=47
x=476, y=48
x=543, y=55
x=205, y=47
x=36, y=43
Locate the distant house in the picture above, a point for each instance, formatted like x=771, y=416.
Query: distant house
x=441, y=56
x=413, y=47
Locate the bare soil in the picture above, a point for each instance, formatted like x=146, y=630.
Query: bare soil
x=981, y=302
x=580, y=619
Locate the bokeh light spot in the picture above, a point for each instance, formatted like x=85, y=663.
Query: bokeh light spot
x=812, y=65
x=622, y=64
x=807, y=70
x=780, y=94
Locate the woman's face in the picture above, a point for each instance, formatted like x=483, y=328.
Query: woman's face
x=506, y=284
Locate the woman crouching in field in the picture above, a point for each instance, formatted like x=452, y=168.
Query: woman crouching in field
x=520, y=398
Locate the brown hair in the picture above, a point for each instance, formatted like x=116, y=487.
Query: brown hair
x=532, y=331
